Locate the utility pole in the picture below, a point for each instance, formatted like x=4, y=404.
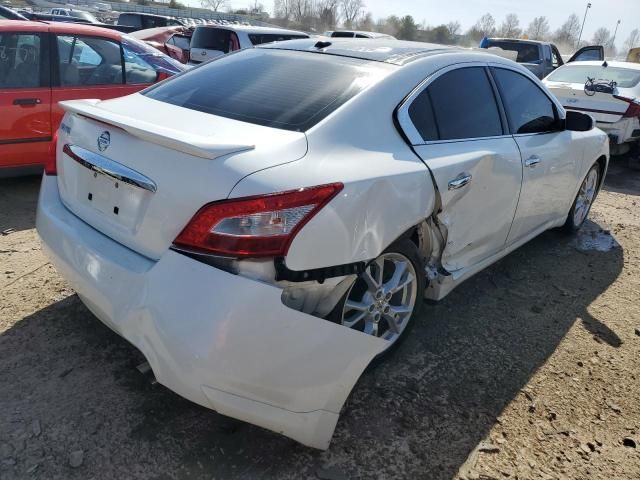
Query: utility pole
x=584, y=20
x=615, y=32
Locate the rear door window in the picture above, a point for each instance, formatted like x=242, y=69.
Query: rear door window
x=88, y=61
x=458, y=104
x=281, y=89
x=22, y=63
x=528, y=108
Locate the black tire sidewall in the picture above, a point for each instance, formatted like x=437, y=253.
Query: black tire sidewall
x=569, y=225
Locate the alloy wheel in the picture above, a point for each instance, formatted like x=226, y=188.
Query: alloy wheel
x=382, y=299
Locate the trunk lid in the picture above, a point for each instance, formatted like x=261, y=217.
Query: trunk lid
x=603, y=107
x=139, y=180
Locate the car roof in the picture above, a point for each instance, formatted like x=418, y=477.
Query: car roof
x=385, y=50
x=598, y=63
x=254, y=29
x=58, y=27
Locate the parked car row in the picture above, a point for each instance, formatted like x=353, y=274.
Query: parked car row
x=262, y=226
x=42, y=64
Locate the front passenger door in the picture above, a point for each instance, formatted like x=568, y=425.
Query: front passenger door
x=25, y=98
x=456, y=126
x=550, y=157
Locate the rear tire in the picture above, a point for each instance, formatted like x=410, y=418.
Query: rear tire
x=583, y=201
x=384, y=299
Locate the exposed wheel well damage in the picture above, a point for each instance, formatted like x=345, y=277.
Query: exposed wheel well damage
x=320, y=297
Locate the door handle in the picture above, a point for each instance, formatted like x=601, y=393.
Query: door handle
x=460, y=181
x=532, y=161
x=27, y=101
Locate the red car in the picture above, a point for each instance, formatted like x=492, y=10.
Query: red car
x=44, y=63
x=172, y=41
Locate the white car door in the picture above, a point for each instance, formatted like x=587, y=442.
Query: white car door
x=550, y=157
x=457, y=127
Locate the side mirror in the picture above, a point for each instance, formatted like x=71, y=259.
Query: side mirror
x=579, y=122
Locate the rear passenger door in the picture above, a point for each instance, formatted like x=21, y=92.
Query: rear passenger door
x=456, y=125
x=25, y=97
x=94, y=67
x=550, y=156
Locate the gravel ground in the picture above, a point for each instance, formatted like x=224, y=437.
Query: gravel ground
x=528, y=370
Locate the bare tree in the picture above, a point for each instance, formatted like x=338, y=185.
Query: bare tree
x=486, y=25
x=453, y=27
x=538, y=29
x=351, y=10
x=215, y=5
x=602, y=36
x=327, y=12
x=282, y=9
x=568, y=32
x=510, y=27
x=366, y=22
x=632, y=41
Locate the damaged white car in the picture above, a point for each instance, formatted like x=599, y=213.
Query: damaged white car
x=264, y=225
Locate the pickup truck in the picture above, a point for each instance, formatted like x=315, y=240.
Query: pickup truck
x=541, y=58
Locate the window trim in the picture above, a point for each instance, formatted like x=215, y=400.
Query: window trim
x=411, y=132
x=558, y=110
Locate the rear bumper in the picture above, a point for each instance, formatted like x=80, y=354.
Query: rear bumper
x=626, y=130
x=221, y=340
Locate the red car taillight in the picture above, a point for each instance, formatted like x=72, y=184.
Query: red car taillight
x=634, y=106
x=50, y=167
x=261, y=226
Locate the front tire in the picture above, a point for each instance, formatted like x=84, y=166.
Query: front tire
x=583, y=201
x=384, y=299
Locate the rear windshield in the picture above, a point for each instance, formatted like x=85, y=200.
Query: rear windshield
x=211, y=39
x=281, y=89
x=527, y=52
x=129, y=20
x=260, y=38
x=624, y=77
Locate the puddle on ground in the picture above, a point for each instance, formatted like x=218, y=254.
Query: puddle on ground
x=592, y=237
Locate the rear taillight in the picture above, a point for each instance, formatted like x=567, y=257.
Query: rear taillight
x=261, y=226
x=50, y=167
x=634, y=106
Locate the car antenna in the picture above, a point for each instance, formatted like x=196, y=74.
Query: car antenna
x=605, y=64
x=320, y=45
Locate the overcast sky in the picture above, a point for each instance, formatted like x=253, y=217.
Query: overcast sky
x=603, y=13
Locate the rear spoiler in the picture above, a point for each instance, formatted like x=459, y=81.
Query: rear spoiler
x=197, y=145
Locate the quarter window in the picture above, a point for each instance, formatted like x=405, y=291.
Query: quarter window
x=459, y=104
x=528, y=107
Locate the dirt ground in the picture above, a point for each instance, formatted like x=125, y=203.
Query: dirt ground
x=528, y=370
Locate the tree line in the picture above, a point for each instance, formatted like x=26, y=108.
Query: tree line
x=322, y=15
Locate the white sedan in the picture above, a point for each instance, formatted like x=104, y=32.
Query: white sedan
x=264, y=225
x=609, y=92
